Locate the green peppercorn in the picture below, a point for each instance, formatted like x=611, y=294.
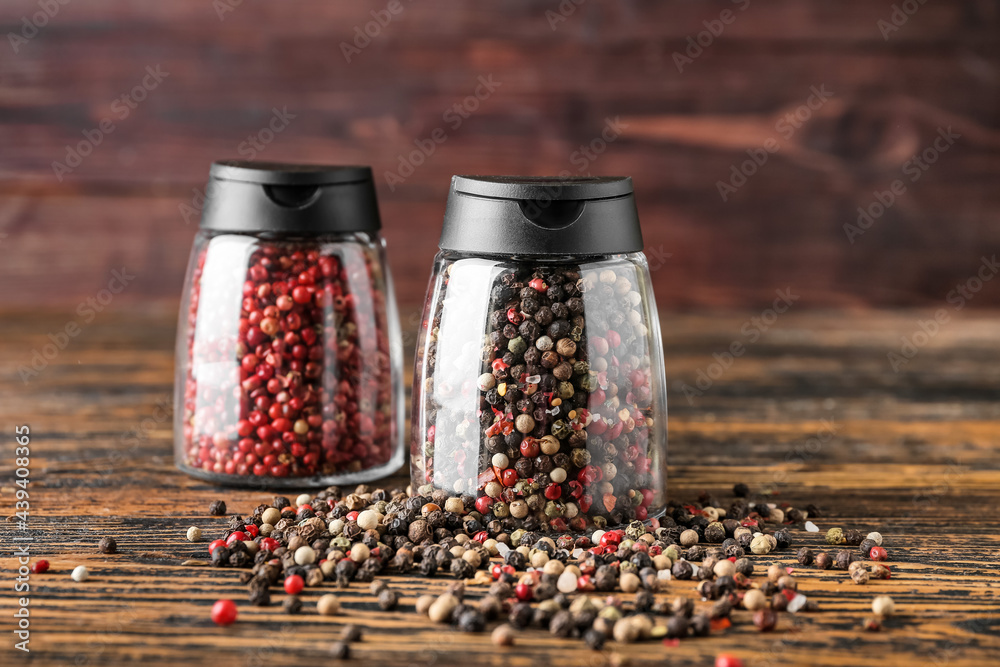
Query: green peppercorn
x=835, y=536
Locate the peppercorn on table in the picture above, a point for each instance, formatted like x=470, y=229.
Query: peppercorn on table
x=827, y=409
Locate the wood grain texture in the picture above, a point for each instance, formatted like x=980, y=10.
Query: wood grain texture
x=681, y=133
x=911, y=454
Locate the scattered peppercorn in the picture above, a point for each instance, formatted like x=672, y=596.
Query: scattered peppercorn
x=224, y=612
x=503, y=635
x=217, y=508
x=805, y=556
x=328, y=605
x=823, y=561
x=765, y=619
x=878, y=553
x=388, y=599
x=835, y=536
x=340, y=651
x=292, y=604
x=843, y=559
x=107, y=545
x=80, y=573
x=40, y=566
x=883, y=606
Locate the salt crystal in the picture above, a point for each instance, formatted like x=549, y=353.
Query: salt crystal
x=533, y=379
x=773, y=506
x=811, y=527
x=576, y=553
x=663, y=575
x=796, y=603
x=694, y=571
x=502, y=549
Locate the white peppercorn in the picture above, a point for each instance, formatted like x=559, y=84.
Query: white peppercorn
x=194, y=534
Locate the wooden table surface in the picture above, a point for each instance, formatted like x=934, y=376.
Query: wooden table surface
x=813, y=411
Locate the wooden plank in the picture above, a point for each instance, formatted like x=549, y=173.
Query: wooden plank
x=912, y=455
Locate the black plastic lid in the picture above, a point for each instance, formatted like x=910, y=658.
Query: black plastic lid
x=244, y=196
x=526, y=215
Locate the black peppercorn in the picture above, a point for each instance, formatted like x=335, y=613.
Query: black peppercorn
x=388, y=599
x=107, y=545
x=866, y=547
x=292, y=604
x=594, y=639
x=351, y=633
x=822, y=560
x=561, y=624
x=783, y=538
x=805, y=556
x=340, y=651
x=677, y=627
x=744, y=566
x=520, y=615
x=843, y=559
x=741, y=490
x=471, y=620
x=779, y=602
x=714, y=532
x=217, y=508
x=462, y=569
x=853, y=537
x=606, y=578
x=681, y=570
x=643, y=601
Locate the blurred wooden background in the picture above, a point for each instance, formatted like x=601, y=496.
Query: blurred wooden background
x=563, y=70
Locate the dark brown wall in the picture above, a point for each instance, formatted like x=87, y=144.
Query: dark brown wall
x=681, y=133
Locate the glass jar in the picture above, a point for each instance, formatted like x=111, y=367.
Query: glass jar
x=539, y=385
x=288, y=349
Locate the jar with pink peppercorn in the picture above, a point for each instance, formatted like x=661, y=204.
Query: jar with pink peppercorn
x=288, y=347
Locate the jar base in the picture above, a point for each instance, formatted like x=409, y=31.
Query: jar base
x=393, y=466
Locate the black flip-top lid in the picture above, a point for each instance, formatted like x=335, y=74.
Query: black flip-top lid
x=526, y=215
x=245, y=196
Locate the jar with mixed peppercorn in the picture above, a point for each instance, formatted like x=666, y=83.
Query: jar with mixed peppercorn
x=288, y=348
x=539, y=387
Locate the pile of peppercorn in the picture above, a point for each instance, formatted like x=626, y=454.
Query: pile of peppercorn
x=342, y=539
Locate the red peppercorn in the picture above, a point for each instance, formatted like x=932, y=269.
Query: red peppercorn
x=529, y=448
x=251, y=529
x=40, y=566
x=726, y=660
x=495, y=570
x=481, y=536
x=611, y=538
x=509, y=477
x=483, y=504
x=294, y=584
x=352, y=516
x=524, y=592
x=553, y=491
x=269, y=544
x=224, y=612
x=238, y=535
x=878, y=553
x=215, y=544
x=539, y=285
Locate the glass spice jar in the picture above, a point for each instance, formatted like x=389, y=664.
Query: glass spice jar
x=288, y=348
x=539, y=386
